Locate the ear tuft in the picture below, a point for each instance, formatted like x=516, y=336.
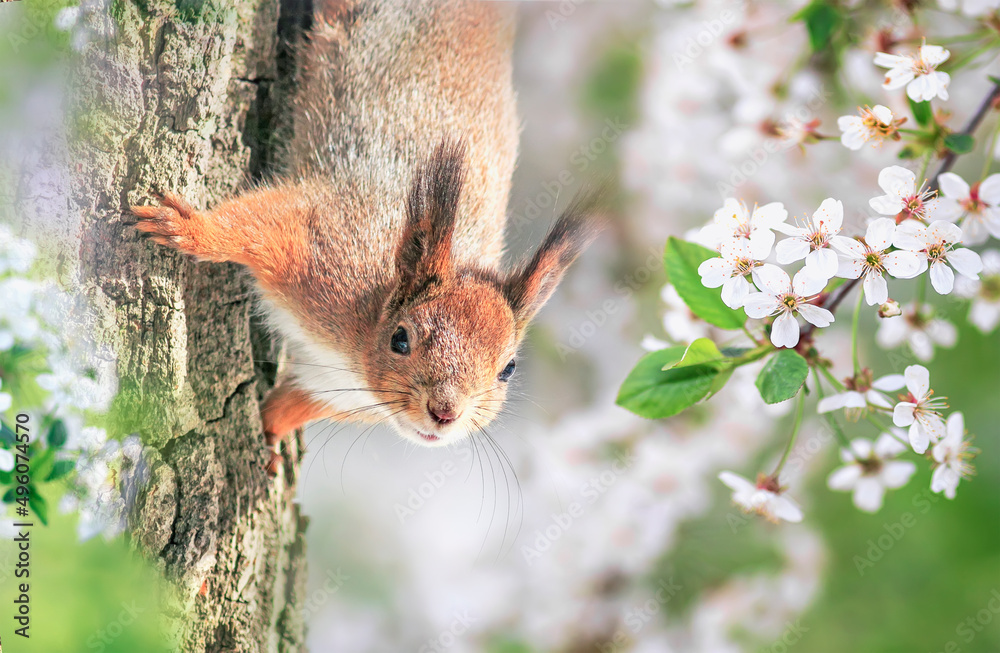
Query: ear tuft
x=531, y=285
x=424, y=252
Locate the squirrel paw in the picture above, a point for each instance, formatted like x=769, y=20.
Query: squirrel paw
x=174, y=224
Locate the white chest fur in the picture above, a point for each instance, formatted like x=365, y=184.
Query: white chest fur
x=328, y=375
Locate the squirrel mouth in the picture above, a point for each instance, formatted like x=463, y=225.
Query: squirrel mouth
x=427, y=437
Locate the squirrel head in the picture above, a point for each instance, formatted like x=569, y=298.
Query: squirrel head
x=447, y=338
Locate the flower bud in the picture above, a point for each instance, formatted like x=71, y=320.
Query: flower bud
x=890, y=309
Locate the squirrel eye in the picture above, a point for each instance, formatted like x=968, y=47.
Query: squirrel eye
x=507, y=371
x=400, y=342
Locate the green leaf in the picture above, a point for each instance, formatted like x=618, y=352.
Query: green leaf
x=908, y=152
x=57, y=434
x=38, y=505
x=7, y=434
x=822, y=21
x=782, y=376
x=922, y=112
x=8, y=496
x=960, y=143
x=41, y=464
x=681, y=260
x=652, y=392
x=60, y=469
x=700, y=351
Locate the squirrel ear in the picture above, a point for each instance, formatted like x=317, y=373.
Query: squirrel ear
x=424, y=252
x=531, y=285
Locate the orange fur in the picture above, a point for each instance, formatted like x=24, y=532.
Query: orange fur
x=391, y=218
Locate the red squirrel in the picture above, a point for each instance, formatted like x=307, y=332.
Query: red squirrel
x=378, y=258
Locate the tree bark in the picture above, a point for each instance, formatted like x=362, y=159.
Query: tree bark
x=182, y=98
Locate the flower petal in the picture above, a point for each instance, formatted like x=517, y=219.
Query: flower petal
x=880, y=232
x=918, y=382
x=785, y=331
x=953, y=186
x=759, y=305
x=919, y=439
x=902, y=414
x=942, y=278
x=790, y=250
x=844, y=478
x=896, y=473
x=772, y=278
x=868, y=494
x=966, y=262
x=876, y=290
x=816, y=315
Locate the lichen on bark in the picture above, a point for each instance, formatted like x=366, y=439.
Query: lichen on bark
x=183, y=98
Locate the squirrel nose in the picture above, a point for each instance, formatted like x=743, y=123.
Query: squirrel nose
x=442, y=415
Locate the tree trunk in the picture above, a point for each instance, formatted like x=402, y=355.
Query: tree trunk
x=181, y=98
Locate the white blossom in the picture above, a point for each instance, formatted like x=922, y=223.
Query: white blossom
x=871, y=126
x=970, y=8
x=678, y=321
x=869, y=259
x=16, y=254
x=978, y=206
x=785, y=297
x=729, y=270
x=951, y=455
x=919, y=328
x=861, y=393
x=5, y=399
x=902, y=199
x=984, y=313
x=935, y=244
x=734, y=220
x=918, y=74
x=764, y=498
x=812, y=241
x=871, y=469
x=920, y=411
x=6, y=460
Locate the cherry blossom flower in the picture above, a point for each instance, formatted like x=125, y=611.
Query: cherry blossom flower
x=5, y=399
x=862, y=392
x=918, y=328
x=6, y=460
x=873, y=126
x=952, y=454
x=902, y=199
x=868, y=258
x=812, y=241
x=979, y=204
x=919, y=410
x=764, y=498
x=730, y=269
x=984, y=313
x=871, y=470
x=784, y=297
x=918, y=74
x=733, y=220
x=935, y=245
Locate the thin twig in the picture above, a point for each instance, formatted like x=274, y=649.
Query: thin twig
x=984, y=108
